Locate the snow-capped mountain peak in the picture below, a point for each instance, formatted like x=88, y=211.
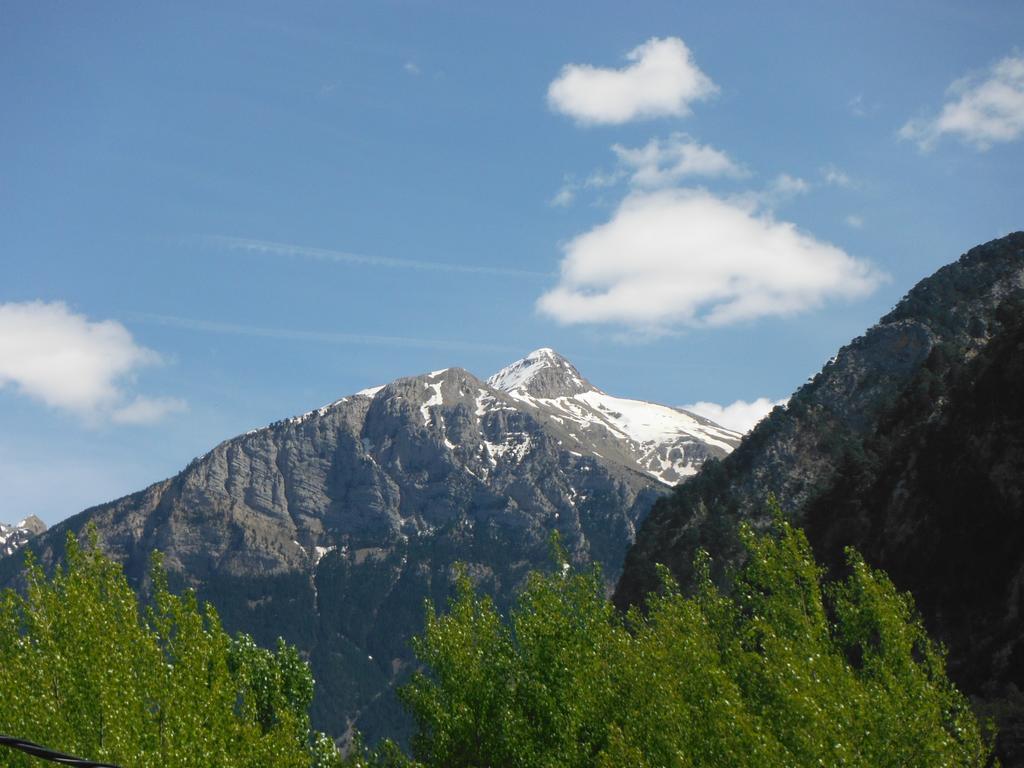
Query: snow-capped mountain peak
x=542, y=373
x=666, y=443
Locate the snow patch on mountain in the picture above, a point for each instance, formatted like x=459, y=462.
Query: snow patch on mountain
x=14, y=537
x=520, y=373
x=542, y=373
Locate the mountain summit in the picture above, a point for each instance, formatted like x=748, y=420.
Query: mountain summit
x=331, y=528
x=543, y=373
x=669, y=444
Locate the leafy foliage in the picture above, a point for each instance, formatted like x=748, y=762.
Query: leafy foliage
x=785, y=669
x=83, y=669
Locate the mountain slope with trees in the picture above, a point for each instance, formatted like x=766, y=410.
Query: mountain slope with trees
x=330, y=528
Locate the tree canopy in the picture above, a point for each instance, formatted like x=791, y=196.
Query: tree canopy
x=87, y=670
x=784, y=669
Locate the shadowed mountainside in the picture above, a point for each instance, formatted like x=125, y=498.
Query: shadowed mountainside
x=909, y=446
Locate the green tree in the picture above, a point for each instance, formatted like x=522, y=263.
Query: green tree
x=83, y=669
x=784, y=669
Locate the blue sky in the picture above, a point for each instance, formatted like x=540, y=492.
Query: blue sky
x=213, y=216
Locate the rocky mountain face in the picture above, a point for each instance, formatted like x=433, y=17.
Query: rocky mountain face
x=13, y=537
x=332, y=528
x=909, y=446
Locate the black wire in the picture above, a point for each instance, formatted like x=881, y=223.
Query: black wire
x=48, y=754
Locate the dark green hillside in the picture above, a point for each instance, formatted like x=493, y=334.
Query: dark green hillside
x=937, y=500
x=908, y=446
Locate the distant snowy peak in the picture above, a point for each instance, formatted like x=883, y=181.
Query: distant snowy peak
x=542, y=373
x=668, y=444
x=14, y=537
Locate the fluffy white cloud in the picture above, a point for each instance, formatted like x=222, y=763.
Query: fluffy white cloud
x=688, y=258
x=740, y=415
x=981, y=110
x=661, y=163
x=661, y=80
x=51, y=354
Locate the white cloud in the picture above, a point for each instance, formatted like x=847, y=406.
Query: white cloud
x=740, y=415
x=565, y=196
x=661, y=163
x=66, y=361
x=785, y=186
x=854, y=221
x=602, y=179
x=661, y=80
x=776, y=193
x=836, y=177
x=982, y=109
x=412, y=68
x=678, y=258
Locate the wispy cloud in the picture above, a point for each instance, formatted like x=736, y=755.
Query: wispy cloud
x=412, y=68
x=322, y=337
x=344, y=257
x=835, y=177
x=982, y=109
x=662, y=163
x=148, y=410
x=565, y=195
x=660, y=80
x=785, y=187
x=657, y=164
